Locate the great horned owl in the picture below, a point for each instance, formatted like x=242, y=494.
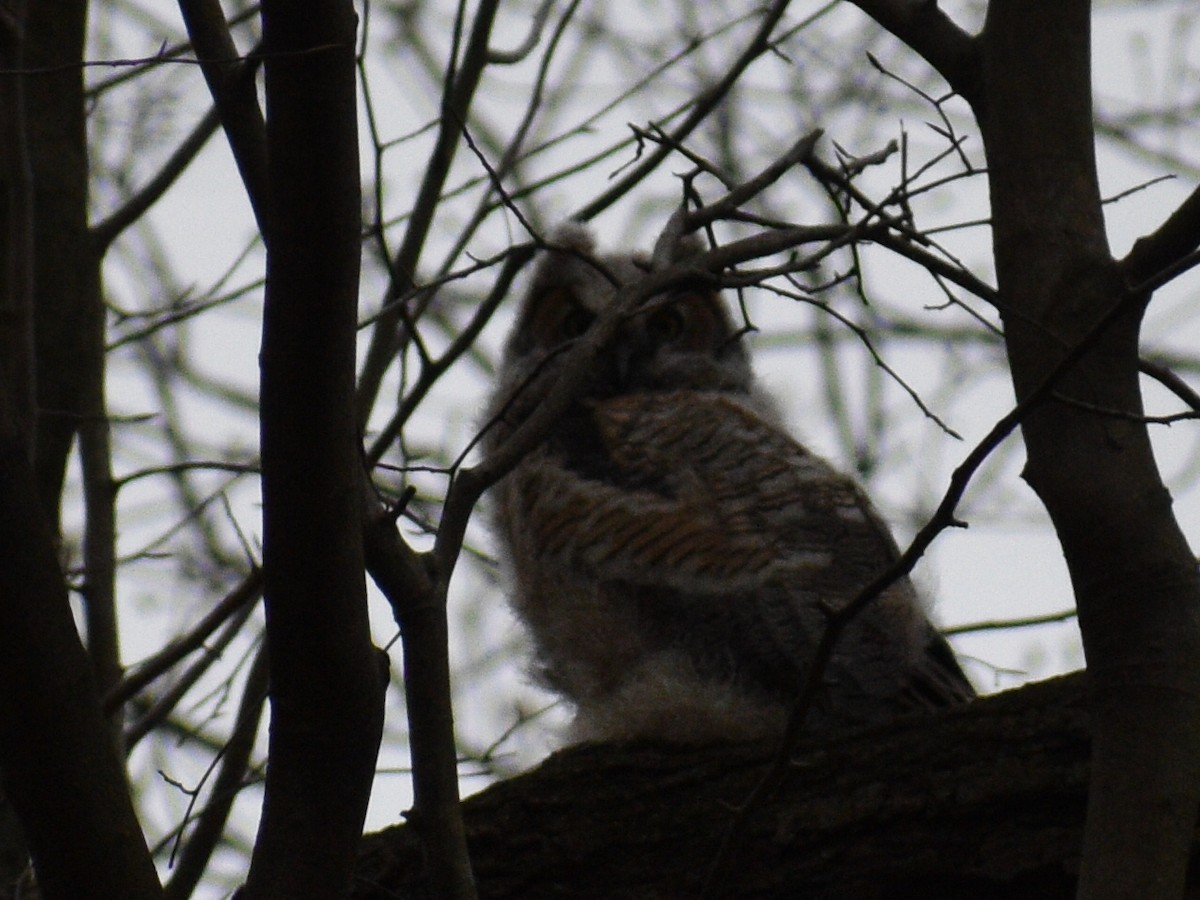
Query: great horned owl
x=671, y=549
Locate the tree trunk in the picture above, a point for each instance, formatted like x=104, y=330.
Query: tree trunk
x=326, y=685
x=1089, y=453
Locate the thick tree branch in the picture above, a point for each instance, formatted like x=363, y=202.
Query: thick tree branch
x=418, y=603
x=1154, y=255
x=69, y=327
x=100, y=535
x=16, y=219
x=17, y=364
x=985, y=801
x=934, y=35
x=231, y=83
x=326, y=689
x=942, y=518
x=69, y=312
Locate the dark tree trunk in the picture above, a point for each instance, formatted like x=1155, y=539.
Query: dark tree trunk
x=326, y=684
x=1089, y=453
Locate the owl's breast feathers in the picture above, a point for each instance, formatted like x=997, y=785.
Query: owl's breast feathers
x=695, y=489
x=692, y=520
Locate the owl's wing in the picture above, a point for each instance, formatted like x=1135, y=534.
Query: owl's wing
x=936, y=679
x=767, y=509
x=694, y=495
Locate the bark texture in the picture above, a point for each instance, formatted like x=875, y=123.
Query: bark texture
x=982, y=802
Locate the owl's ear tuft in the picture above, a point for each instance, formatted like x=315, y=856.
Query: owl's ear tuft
x=567, y=241
x=572, y=236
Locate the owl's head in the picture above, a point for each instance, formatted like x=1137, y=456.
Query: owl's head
x=681, y=340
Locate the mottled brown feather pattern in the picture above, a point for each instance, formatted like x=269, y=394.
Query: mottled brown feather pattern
x=672, y=550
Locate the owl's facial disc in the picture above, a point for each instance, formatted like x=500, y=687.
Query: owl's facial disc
x=676, y=340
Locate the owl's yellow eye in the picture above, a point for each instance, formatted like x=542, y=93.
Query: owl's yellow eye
x=574, y=322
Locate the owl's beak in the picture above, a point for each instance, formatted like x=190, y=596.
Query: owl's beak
x=622, y=360
x=631, y=353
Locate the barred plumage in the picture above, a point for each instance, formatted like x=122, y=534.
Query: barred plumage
x=672, y=550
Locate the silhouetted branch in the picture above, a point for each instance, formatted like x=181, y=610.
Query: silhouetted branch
x=149, y=669
x=838, y=620
x=60, y=764
x=984, y=800
x=235, y=96
x=1004, y=624
x=106, y=230
x=1157, y=258
x=209, y=828
x=416, y=591
x=759, y=44
x=930, y=32
x=462, y=78
x=326, y=687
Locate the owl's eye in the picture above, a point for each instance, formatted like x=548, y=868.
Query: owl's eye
x=574, y=322
x=666, y=323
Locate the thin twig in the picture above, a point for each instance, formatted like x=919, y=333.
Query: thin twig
x=461, y=81
x=106, y=230
x=234, y=760
x=1005, y=624
x=151, y=668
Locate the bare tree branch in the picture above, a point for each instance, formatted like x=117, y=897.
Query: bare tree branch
x=68, y=312
x=943, y=517
x=759, y=44
x=418, y=601
x=727, y=205
x=160, y=710
x=1157, y=258
x=210, y=824
x=106, y=230
x=150, y=669
x=923, y=806
x=100, y=539
x=231, y=83
x=326, y=689
x=462, y=78
x=931, y=33
x=16, y=212
x=1004, y=624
